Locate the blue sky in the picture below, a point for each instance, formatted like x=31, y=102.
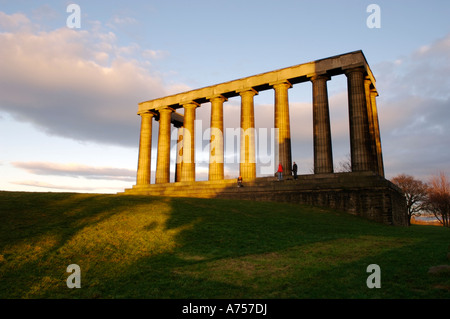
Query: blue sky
x=68, y=97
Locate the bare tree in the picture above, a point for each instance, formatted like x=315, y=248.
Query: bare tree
x=415, y=192
x=438, y=200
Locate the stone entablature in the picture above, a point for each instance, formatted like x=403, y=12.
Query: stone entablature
x=295, y=74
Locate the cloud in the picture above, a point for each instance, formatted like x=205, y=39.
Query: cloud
x=154, y=54
x=121, y=20
x=78, y=84
x=45, y=13
x=414, y=108
x=423, y=72
x=77, y=170
x=14, y=22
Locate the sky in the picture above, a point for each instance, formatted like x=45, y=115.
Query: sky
x=69, y=93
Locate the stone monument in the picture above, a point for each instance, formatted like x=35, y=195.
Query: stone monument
x=364, y=191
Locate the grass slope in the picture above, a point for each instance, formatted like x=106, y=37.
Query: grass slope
x=150, y=247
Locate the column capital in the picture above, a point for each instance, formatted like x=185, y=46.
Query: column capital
x=356, y=69
x=166, y=109
x=315, y=77
x=219, y=97
x=247, y=91
x=281, y=83
x=190, y=104
x=147, y=113
x=369, y=83
x=163, y=110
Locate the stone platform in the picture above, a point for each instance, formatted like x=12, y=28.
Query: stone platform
x=364, y=194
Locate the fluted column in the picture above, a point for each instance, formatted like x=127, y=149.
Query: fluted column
x=145, y=149
x=360, y=146
x=247, y=166
x=179, y=158
x=373, y=95
x=371, y=125
x=323, y=154
x=282, y=124
x=216, y=157
x=163, y=159
x=188, y=166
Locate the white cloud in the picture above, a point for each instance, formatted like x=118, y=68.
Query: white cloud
x=73, y=83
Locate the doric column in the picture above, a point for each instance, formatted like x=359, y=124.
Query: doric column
x=179, y=158
x=247, y=166
x=360, y=146
x=373, y=95
x=188, y=166
x=323, y=154
x=145, y=149
x=282, y=125
x=216, y=158
x=371, y=125
x=163, y=159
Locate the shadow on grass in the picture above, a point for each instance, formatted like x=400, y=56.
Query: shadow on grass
x=151, y=247
x=37, y=232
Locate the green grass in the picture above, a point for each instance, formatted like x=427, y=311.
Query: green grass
x=151, y=247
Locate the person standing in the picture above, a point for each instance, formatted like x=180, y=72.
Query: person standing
x=294, y=170
x=280, y=172
x=239, y=181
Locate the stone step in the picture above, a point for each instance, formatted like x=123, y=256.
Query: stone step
x=260, y=185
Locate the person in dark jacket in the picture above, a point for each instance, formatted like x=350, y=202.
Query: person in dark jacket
x=294, y=170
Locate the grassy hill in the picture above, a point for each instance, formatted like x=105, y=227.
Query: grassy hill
x=152, y=247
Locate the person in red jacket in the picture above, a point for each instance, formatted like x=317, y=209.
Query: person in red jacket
x=280, y=172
